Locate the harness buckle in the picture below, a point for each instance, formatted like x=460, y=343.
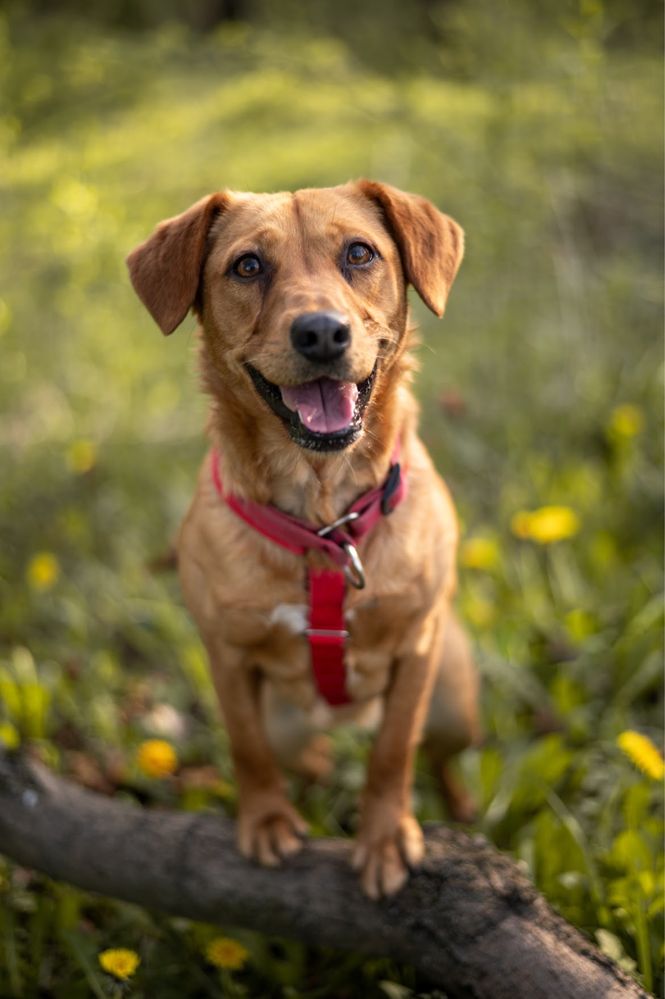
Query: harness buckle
x=327, y=633
x=355, y=573
x=392, y=483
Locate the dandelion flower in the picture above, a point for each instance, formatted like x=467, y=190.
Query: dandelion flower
x=43, y=571
x=546, y=524
x=81, y=455
x=479, y=553
x=625, y=422
x=226, y=953
x=9, y=736
x=156, y=758
x=641, y=751
x=119, y=962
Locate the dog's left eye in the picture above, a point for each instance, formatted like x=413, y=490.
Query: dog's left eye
x=359, y=254
x=248, y=266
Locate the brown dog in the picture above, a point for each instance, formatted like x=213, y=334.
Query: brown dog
x=302, y=301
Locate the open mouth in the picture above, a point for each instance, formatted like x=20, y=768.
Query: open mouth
x=324, y=414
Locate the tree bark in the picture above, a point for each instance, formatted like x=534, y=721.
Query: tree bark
x=468, y=920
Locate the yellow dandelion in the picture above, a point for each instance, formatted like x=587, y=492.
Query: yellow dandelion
x=226, y=953
x=546, y=525
x=9, y=736
x=641, y=751
x=43, y=571
x=479, y=553
x=119, y=962
x=81, y=456
x=156, y=758
x=626, y=421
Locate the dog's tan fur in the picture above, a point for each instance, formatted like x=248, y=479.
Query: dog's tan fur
x=406, y=650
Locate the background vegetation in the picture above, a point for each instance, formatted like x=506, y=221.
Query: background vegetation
x=537, y=126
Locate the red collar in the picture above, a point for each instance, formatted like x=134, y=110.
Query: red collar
x=327, y=632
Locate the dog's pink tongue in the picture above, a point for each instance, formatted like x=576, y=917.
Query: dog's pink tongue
x=324, y=406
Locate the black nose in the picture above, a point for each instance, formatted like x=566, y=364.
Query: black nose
x=321, y=336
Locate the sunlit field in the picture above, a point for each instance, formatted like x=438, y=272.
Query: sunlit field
x=541, y=401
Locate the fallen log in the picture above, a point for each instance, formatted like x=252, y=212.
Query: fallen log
x=468, y=920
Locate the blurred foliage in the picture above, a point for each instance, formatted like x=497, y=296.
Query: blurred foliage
x=535, y=126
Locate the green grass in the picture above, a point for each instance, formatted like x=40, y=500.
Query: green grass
x=539, y=136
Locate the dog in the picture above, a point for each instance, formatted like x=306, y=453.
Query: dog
x=318, y=555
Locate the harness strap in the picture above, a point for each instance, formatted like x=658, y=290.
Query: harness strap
x=327, y=632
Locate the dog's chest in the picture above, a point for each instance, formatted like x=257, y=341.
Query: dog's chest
x=277, y=643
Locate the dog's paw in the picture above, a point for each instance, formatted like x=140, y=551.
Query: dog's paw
x=270, y=830
x=384, y=856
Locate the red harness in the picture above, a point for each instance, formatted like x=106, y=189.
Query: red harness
x=327, y=632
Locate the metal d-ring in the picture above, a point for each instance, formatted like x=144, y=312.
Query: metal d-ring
x=346, y=519
x=355, y=572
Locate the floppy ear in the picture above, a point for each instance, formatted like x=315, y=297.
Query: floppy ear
x=431, y=244
x=166, y=269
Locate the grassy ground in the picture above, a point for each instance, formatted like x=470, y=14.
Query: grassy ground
x=541, y=388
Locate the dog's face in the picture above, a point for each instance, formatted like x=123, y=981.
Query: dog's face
x=302, y=296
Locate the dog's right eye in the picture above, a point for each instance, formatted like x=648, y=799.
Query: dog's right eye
x=359, y=254
x=247, y=266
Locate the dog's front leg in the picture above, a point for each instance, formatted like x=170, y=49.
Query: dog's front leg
x=269, y=828
x=390, y=840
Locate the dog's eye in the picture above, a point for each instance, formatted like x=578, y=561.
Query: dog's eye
x=359, y=254
x=248, y=266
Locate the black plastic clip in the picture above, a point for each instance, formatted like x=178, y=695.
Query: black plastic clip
x=392, y=484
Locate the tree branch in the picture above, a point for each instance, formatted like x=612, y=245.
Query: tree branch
x=468, y=920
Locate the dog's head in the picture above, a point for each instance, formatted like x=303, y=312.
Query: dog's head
x=302, y=297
